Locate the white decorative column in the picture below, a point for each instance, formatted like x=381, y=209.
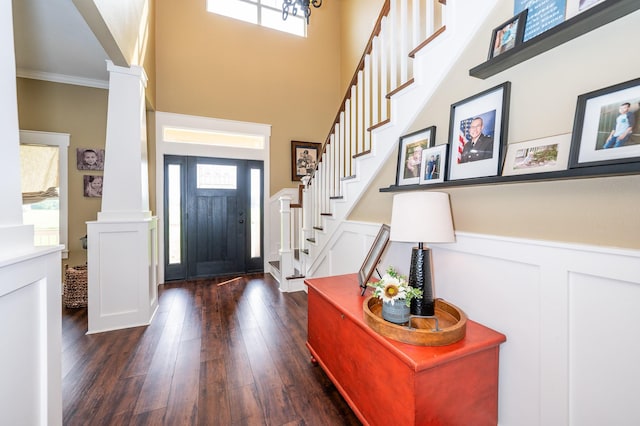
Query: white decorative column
x=122, y=243
x=30, y=302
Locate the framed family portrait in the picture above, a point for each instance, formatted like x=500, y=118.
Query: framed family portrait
x=410, y=155
x=373, y=257
x=537, y=156
x=304, y=158
x=434, y=164
x=90, y=158
x=508, y=35
x=477, y=133
x=606, y=128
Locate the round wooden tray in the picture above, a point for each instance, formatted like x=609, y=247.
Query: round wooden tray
x=452, y=324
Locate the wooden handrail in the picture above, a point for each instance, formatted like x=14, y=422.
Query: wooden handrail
x=386, y=7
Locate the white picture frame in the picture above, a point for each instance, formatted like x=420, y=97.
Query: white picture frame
x=434, y=165
x=542, y=155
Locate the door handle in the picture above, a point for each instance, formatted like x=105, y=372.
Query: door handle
x=241, y=221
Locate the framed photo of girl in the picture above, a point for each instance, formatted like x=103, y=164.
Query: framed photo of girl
x=92, y=185
x=606, y=128
x=478, y=132
x=410, y=155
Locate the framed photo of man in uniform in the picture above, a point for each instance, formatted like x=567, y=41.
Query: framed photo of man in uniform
x=478, y=133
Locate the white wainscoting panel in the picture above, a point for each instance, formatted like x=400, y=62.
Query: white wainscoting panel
x=31, y=336
x=571, y=314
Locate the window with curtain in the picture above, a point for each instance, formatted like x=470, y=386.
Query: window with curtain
x=40, y=192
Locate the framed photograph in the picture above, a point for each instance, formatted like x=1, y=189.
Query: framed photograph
x=373, y=257
x=542, y=15
x=477, y=133
x=90, y=158
x=508, y=35
x=410, y=155
x=538, y=155
x=92, y=186
x=304, y=158
x=606, y=128
x=434, y=164
x=575, y=7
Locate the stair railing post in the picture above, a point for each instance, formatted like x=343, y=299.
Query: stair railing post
x=285, y=252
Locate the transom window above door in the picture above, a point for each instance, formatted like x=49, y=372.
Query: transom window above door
x=266, y=13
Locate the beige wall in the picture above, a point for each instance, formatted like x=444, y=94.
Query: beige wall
x=601, y=211
x=356, y=25
x=212, y=66
x=126, y=31
x=81, y=112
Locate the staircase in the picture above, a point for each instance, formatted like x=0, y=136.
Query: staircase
x=412, y=47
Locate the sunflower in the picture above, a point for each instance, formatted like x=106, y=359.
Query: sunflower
x=392, y=287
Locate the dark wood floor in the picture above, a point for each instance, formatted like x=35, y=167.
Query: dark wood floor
x=231, y=354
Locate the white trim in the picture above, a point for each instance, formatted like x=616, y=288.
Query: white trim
x=61, y=140
x=62, y=78
x=210, y=124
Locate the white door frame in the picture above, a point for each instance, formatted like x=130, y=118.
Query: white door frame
x=163, y=147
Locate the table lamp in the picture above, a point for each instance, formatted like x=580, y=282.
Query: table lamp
x=422, y=217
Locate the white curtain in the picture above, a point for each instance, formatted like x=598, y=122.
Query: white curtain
x=39, y=171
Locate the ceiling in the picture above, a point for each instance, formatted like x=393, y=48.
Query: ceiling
x=53, y=42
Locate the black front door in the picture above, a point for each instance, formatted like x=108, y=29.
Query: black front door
x=220, y=220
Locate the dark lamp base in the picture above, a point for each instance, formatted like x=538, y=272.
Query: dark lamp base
x=420, y=277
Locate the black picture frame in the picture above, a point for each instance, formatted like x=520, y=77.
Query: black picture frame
x=304, y=158
x=373, y=257
x=508, y=35
x=487, y=112
x=596, y=118
x=434, y=164
x=409, y=163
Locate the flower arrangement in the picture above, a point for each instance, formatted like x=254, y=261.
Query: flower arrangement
x=393, y=286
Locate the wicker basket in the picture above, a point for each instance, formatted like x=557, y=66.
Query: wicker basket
x=75, y=286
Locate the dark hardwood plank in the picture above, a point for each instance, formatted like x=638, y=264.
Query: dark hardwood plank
x=229, y=354
x=213, y=401
x=183, y=397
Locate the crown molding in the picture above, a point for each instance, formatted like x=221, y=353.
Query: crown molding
x=62, y=78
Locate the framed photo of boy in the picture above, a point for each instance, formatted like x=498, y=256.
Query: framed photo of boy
x=508, y=35
x=304, y=158
x=90, y=158
x=410, y=155
x=606, y=128
x=477, y=133
x=434, y=164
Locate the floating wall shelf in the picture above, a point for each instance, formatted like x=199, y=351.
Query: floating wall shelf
x=595, y=17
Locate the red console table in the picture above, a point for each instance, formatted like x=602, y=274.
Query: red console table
x=392, y=383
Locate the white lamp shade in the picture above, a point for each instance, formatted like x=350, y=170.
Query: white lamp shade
x=422, y=217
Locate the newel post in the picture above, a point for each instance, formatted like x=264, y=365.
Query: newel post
x=286, y=254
